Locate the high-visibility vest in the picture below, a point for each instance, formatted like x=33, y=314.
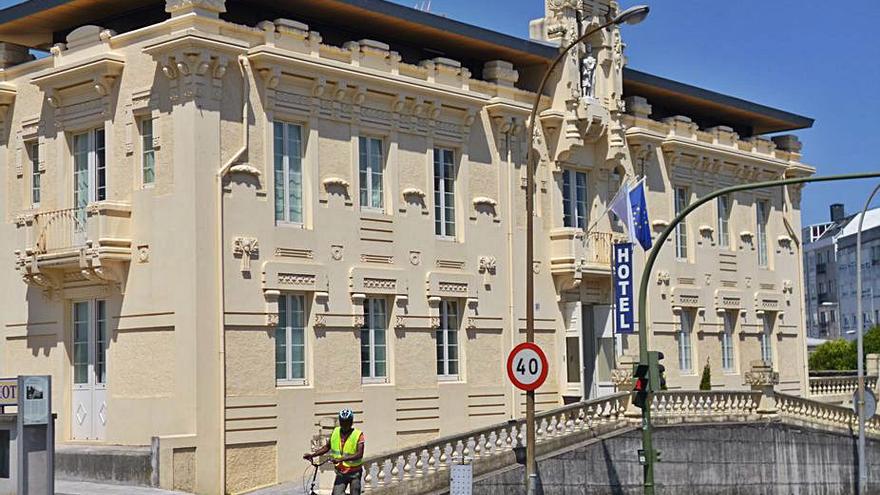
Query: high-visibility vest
x=337, y=450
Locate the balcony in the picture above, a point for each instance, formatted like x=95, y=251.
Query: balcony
x=86, y=244
x=574, y=254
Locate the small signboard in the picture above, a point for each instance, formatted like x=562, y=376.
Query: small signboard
x=8, y=392
x=623, y=287
x=461, y=479
x=870, y=403
x=527, y=366
x=35, y=400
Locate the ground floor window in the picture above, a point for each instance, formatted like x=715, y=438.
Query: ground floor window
x=447, y=340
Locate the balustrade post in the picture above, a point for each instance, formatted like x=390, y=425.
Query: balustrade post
x=762, y=378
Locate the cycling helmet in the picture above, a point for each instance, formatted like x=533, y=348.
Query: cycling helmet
x=346, y=415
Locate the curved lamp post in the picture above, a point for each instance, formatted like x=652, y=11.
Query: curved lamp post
x=632, y=15
x=650, y=455
x=860, y=331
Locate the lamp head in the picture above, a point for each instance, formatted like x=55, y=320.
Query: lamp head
x=632, y=15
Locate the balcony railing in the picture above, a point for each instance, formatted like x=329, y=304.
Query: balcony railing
x=94, y=241
x=836, y=385
x=572, y=250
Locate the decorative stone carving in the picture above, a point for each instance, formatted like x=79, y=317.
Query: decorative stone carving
x=588, y=74
x=337, y=252
x=335, y=181
x=482, y=200
x=204, y=7
x=272, y=319
x=246, y=169
x=663, y=278
x=763, y=378
x=143, y=254
x=488, y=264
x=297, y=280
x=415, y=258
x=246, y=248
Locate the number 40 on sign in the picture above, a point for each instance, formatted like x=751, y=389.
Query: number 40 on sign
x=527, y=366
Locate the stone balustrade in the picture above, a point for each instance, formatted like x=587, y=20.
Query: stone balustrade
x=837, y=386
x=424, y=468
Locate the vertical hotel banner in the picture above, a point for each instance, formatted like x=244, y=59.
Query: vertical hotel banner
x=624, y=300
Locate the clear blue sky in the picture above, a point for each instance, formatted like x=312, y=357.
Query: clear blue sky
x=809, y=57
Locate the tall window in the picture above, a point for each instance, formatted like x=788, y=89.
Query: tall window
x=766, y=338
x=371, y=172
x=681, y=233
x=728, y=364
x=290, y=340
x=574, y=199
x=762, y=212
x=373, y=347
x=685, y=357
x=447, y=340
x=724, y=221
x=444, y=192
x=148, y=152
x=90, y=167
x=288, y=173
x=33, y=149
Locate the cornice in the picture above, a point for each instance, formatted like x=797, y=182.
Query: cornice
x=108, y=65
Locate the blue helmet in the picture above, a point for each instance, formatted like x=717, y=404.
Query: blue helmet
x=346, y=415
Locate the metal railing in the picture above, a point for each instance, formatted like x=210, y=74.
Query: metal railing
x=598, y=247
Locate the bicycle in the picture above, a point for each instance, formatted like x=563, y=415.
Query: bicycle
x=315, y=465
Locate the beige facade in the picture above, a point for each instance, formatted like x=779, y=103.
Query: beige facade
x=241, y=229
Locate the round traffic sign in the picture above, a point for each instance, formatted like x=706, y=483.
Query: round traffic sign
x=527, y=366
x=870, y=403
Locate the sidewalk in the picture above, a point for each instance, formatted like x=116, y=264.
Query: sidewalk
x=86, y=488
x=292, y=488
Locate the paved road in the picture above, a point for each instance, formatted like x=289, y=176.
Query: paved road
x=85, y=488
x=283, y=489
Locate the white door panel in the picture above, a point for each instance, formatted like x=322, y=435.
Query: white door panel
x=89, y=394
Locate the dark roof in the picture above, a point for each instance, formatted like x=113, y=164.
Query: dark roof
x=415, y=34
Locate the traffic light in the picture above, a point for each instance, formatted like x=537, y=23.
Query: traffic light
x=657, y=371
x=641, y=386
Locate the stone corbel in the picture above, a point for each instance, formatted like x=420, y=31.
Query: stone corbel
x=319, y=87
x=434, y=311
x=271, y=76
x=357, y=303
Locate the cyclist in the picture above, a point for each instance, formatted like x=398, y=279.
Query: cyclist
x=346, y=447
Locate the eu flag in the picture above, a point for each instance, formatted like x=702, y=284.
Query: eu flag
x=641, y=224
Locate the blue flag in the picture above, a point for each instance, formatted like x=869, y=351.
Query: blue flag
x=641, y=226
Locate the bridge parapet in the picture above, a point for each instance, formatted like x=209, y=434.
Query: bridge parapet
x=424, y=468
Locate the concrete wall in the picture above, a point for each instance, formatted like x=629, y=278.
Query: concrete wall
x=765, y=459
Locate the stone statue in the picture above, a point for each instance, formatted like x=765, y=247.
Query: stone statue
x=588, y=73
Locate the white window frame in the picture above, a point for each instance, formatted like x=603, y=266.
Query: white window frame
x=33, y=151
x=373, y=306
x=96, y=354
x=762, y=214
x=444, y=213
x=574, y=210
x=685, y=346
x=728, y=346
x=148, y=148
x=450, y=324
x=681, y=200
x=286, y=217
x=286, y=325
x=367, y=172
x=96, y=168
x=723, y=207
x=767, y=338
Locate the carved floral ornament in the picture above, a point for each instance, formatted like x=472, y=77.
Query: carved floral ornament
x=246, y=248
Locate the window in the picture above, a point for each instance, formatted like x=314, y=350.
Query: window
x=685, y=357
x=90, y=168
x=681, y=237
x=33, y=150
x=766, y=342
x=762, y=211
x=373, y=347
x=148, y=152
x=444, y=192
x=288, y=173
x=290, y=340
x=574, y=199
x=447, y=340
x=727, y=357
x=724, y=221
x=371, y=172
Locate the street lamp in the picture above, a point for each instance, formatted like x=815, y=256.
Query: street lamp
x=650, y=455
x=632, y=15
x=860, y=346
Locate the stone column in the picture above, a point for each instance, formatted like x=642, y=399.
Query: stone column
x=873, y=369
x=762, y=378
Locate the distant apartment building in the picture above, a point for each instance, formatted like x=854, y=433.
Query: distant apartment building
x=226, y=220
x=830, y=274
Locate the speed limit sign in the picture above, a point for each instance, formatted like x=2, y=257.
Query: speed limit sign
x=527, y=366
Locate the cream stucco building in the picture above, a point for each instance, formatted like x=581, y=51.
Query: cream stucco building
x=226, y=220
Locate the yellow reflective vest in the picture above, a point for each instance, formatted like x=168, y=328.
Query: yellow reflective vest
x=337, y=450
